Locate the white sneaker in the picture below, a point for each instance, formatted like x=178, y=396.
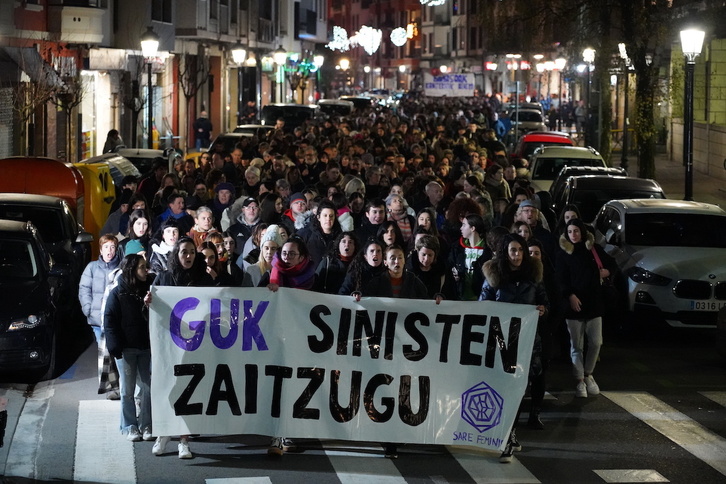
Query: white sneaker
x=581, y=390
x=184, y=452
x=592, y=388
x=146, y=434
x=134, y=435
x=160, y=445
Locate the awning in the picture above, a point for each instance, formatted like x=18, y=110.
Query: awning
x=29, y=61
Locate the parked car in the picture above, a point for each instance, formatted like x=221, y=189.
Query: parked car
x=259, y=130
x=548, y=161
x=569, y=171
x=672, y=253
x=227, y=141
x=590, y=192
x=535, y=106
x=528, y=143
x=65, y=239
x=32, y=289
x=526, y=120
x=293, y=114
x=336, y=107
x=360, y=102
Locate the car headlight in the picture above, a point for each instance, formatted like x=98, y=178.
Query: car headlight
x=29, y=322
x=642, y=276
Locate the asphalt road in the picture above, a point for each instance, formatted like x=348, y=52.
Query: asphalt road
x=661, y=418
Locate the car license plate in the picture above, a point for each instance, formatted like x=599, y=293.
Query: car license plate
x=707, y=305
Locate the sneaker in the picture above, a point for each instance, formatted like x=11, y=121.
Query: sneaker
x=184, y=452
x=391, y=451
x=113, y=395
x=277, y=447
x=134, y=435
x=146, y=434
x=160, y=445
x=508, y=453
x=515, y=443
x=581, y=390
x=592, y=388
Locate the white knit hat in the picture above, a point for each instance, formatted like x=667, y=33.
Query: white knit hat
x=272, y=233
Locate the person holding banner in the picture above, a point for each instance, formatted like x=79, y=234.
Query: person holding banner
x=368, y=263
x=512, y=276
x=331, y=271
x=126, y=325
x=185, y=269
x=291, y=267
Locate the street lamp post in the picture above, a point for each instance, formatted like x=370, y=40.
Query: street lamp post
x=279, y=56
x=560, y=64
x=691, y=43
x=588, y=55
x=238, y=57
x=149, y=48
x=626, y=74
x=318, y=61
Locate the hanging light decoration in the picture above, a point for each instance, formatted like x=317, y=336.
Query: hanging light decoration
x=340, y=40
x=432, y=3
x=399, y=37
x=368, y=38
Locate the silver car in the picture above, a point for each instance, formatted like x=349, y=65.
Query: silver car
x=673, y=254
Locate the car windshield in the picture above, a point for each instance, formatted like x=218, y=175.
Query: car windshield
x=548, y=168
x=48, y=222
x=529, y=148
x=590, y=201
x=17, y=260
x=527, y=116
x=676, y=230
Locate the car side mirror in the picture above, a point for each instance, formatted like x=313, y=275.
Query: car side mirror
x=84, y=238
x=611, y=237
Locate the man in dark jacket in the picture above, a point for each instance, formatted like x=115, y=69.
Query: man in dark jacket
x=375, y=215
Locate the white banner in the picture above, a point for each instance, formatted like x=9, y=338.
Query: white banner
x=300, y=364
x=452, y=85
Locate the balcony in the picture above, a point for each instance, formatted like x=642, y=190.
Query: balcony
x=78, y=25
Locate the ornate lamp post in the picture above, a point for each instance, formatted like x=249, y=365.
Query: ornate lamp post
x=149, y=48
x=318, y=61
x=626, y=79
x=238, y=57
x=691, y=43
x=588, y=55
x=279, y=56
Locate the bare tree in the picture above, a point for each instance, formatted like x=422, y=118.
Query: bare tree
x=68, y=97
x=193, y=74
x=132, y=97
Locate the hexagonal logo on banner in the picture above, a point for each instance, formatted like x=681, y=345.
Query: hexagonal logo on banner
x=481, y=407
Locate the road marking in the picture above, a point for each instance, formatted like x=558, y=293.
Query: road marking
x=26, y=438
x=718, y=397
x=484, y=467
x=239, y=480
x=365, y=466
x=102, y=453
x=630, y=475
x=674, y=425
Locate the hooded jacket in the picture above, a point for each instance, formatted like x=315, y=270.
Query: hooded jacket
x=93, y=284
x=126, y=319
x=518, y=287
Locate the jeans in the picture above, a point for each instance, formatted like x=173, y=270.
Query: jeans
x=135, y=368
x=579, y=328
x=97, y=330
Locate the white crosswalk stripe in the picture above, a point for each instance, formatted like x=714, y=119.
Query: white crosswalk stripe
x=26, y=442
x=102, y=453
x=678, y=427
x=485, y=468
x=363, y=468
x=718, y=397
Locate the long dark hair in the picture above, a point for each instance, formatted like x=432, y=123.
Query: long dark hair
x=334, y=250
x=525, y=271
x=128, y=270
x=136, y=215
x=198, y=269
x=384, y=228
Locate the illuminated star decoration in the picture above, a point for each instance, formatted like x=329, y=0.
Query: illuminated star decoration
x=368, y=38
x=432, y=3
x=340, y=40
x=399, y=37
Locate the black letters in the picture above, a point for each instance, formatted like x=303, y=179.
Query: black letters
x=299, y=409
x=469, y=336
x=448, y=320
x=388, y=402
x=182, y=405
x=409, y=324
x=339, y=413
x=251, y=376
x=404, y=400
x=326, y=342
x=372, y=334
x=223, y=375
x=280, y=373
x=496, y=341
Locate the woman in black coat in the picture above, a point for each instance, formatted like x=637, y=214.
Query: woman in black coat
x=126, y=324
x=331, y=271
x=425, y=263
x=321, y=232
x=580, y=279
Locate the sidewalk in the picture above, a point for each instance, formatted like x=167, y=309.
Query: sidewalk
x=671, y=176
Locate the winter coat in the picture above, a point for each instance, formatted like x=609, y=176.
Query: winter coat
x=351, y=282
x=330, y=275
x=158, y=261
x=380, y=286
x=520, y=288
x=470, y=280
x=438, y=280
x=126, y=319
x=93, y=284
x=317, y=242
x=578, y=274
x=241, y=231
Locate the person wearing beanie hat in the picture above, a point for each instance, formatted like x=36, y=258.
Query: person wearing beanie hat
x=528, y=212
x=298, y=206
x=581, y=265
x=134, y=246
x=221, y=201
x=270, y=244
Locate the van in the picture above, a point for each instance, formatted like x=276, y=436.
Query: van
x=293, y=114
x=336, y=107
x=88, y=189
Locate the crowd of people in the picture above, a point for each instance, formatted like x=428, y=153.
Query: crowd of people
x=418, y=201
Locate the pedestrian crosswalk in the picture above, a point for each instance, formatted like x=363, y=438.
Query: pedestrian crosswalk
x=103, y=455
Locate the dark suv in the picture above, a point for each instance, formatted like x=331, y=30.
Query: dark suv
x=32, y=289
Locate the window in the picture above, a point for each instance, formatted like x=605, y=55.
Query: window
x=161, y=11
x=675, y=230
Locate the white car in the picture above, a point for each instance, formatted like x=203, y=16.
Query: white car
x=547, y=162
x=673, y=254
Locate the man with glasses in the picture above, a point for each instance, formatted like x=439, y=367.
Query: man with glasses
x=529, y=213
